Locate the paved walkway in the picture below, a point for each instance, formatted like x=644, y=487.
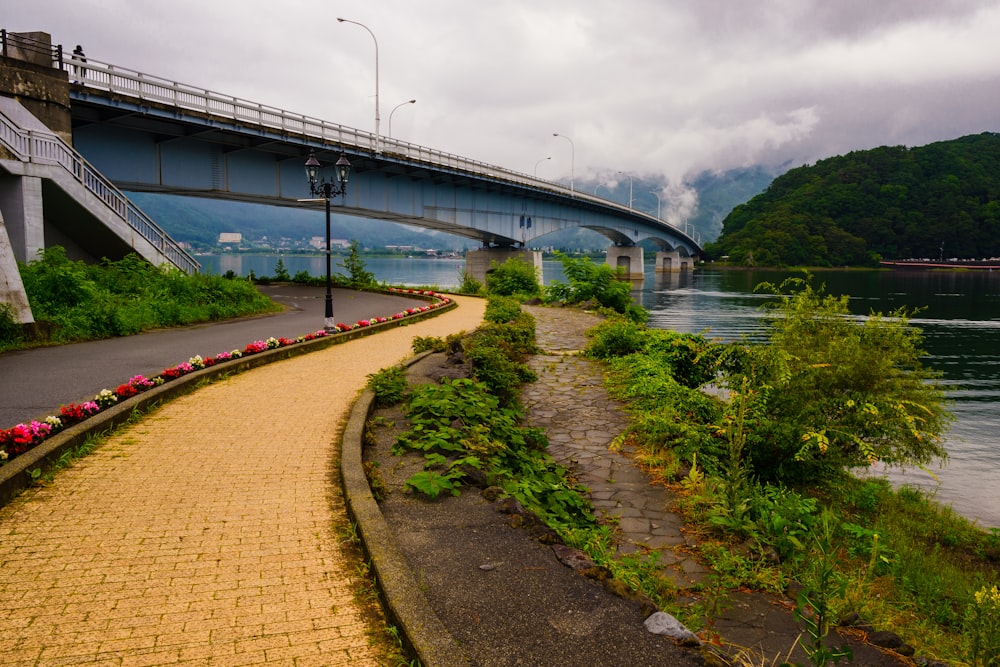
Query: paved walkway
x=207, y=533
x=570, y=402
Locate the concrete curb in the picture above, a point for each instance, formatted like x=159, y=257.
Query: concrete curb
x=21, y=472
x=422, y=630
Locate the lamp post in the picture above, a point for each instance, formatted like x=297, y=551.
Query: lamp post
x=378, y=148
x=629, y=188
x=326, y=190
x=539, y=162
x=572, y=157
x=657, y=194
x=401, y=104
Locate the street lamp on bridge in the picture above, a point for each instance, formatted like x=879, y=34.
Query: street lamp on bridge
x=378, y=148
x=539, y=162
x=657, y=194
x=629, y=188
x=572, y=157
x=326, y=190
x=401, y=104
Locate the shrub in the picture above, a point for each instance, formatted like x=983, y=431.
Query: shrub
x=117, y=298
x=598, y=282
x=469, y=284
x=11, y=331
x=427, y=343
x=513, y=277
x=616, y=337
x=828, y=393
x=388, y=385
x=501, y=309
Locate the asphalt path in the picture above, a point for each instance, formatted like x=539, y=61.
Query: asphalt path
x=34, y=383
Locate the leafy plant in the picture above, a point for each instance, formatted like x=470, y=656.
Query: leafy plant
x=427, y=344
x=513, y=277
x=982, y=628
x=598, y=282
x=469, y=285
x=388, y=385
x=815, y=602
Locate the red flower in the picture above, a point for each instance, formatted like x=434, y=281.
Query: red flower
x=126, y=391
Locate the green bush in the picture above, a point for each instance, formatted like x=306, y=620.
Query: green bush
x=388, y=385
x=11, y=331
x=594, y=282
x=80, y=301
x=501, y=309
x=513, y=277
x=469, y=285
x=616, y=337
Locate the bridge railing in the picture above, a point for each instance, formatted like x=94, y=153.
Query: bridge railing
x=47, y=148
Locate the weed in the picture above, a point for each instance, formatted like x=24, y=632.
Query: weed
x=388, y=385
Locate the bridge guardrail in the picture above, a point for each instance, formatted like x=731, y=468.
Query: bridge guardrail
x=47, y=148
x=122, y=81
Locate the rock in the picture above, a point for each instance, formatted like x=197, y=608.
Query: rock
x=510, y=505
x=662, y=623
x=921, y=661
x=572, y=558
x=491, y=493
x=854, y=620
x=885, y=639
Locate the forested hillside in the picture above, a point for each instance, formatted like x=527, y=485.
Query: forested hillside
x=893, y=202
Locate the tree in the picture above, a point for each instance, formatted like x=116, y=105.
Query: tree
x=830, y=392
x=357, y=276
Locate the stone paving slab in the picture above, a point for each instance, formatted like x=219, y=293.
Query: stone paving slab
x=207, y=532
x=570, y=402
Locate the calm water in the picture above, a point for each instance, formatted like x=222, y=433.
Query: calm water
x=960, y=321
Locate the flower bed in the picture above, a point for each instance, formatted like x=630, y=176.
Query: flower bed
x=21, y=438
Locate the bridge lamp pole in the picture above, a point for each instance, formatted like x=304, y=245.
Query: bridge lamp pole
x=401, y=104
x=326, y=190
x=539, y=162
x=572, y=157
x=629, y=188
x=657, y=195
x=378, y=148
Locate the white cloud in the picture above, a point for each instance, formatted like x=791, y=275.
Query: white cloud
x=653, y=87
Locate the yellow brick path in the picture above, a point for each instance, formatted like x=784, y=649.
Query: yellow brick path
x=207, y=533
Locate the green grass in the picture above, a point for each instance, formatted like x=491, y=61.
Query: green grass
x=74, y=301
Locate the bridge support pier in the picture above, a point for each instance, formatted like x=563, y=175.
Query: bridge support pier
x=479, y=262
x=11, y=287
x=22, y=212
x=629, y=259
x=673, y=261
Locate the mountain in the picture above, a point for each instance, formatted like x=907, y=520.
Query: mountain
x=941, y=200
x=199, y=221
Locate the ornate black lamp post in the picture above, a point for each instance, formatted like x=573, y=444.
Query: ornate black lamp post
x=319, y=187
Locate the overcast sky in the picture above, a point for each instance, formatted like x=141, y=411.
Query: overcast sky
x=654, y=88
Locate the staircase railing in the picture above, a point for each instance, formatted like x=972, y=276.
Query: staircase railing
x=47, y=148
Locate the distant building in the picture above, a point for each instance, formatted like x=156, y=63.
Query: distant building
x=318, y=241
x=230, y=237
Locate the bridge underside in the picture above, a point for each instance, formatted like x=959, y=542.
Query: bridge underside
x=146, y=148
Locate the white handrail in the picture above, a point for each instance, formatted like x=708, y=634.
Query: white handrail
x=47, y=148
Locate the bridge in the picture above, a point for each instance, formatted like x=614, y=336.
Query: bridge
x=123, y=130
